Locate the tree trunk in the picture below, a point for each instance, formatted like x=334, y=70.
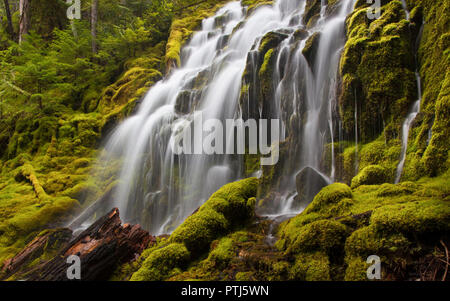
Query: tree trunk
x=8, y=17
x=25, y=17
x=94, y=16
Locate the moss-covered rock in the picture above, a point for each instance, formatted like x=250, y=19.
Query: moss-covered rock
x=162, y=262
x=184, y=25
x=231, y=206
x=323, y=235
x=328, y=196
x=420, y=217
x=311, y=48
x=377, y=67
x=370, y=175
x=200, y=229
x=311, y=267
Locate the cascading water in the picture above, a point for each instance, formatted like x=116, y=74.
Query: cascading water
x=313, y=91
x=405, y=8
x=159, y=189
x=415, y=109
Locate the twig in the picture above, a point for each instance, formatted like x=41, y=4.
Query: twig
x=17, y=88
x=446, y=266
x=446, y=262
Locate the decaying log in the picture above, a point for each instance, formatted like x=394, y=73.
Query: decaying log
x=45, y=243
x=100, y=248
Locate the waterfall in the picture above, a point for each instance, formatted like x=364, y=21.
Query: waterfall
x=315, y=95
x=405, y=130
x=415, y=109
x=405, y=8
x=159, y=189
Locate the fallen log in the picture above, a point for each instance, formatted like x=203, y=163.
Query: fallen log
x=46, y=244
x=100, y=248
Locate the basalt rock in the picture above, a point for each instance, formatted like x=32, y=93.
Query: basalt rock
x=309, y=182
x=311, y=47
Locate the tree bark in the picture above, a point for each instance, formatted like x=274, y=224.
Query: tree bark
x=94, y=17
x=101, y=247
x=25, y=18
x=8, y=17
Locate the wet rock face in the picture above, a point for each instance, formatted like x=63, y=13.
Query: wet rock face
x=311, y=47
x=183, y=102
x=309, y=182
x=300, y=34
x=312, y=8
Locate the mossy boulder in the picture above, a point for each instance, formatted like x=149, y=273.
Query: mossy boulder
x=231, y=206
x=330, y=195
x=162, y=262
x=323, y=235
x=271, y=40
x=200, y=229
x=370, y=175
x=300, y=34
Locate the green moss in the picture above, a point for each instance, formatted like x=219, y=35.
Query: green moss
x=162, y=263
x=393, y=248
x=231, y=205
x=222, y=254
x=323, y=235
x=369, y=240
x=370, y=175
x=420, y=217
x=328, y=196
x=244, y=276
x=183, y=26
x=377, y=66
x=434, y=59
x=356, y=270
x=200, y=229
x=311, y=267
